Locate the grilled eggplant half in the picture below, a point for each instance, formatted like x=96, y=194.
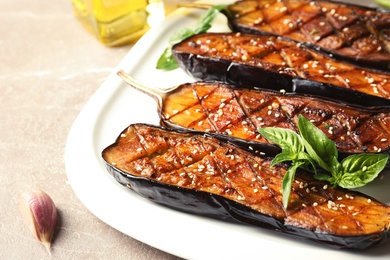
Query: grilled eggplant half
x=280, y=64
x=355, y=33
x=203, y=174
x=239, y=112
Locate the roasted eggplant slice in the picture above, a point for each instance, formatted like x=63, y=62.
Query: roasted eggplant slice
x=280, y=64
x=204, y=175
x=240, y=112
x=346, y=31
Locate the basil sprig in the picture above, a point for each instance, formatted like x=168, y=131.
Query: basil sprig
x=313, y=148
x=166, y=60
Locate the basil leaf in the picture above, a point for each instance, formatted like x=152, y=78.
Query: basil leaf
x=283, y=157
x=288, y=140
x=181, y=34
x=205, y=21
x=360, y=169
x=287, y=182
x=317, y=144
x=324, y=177
x=166, y=61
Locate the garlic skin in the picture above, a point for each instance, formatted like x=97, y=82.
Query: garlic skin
x=40, y=214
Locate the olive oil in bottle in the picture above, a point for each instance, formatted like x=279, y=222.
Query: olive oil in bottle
x=118, y=22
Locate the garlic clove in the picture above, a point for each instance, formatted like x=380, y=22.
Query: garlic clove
x=40, y=214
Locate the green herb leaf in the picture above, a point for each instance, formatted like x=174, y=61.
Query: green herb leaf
x=360, y=169
x=313, y=147
x=324, y=177
x=384, y=3
x=288, y=140
x=181, y=34
x=205, y=21
x=287, y=182
x=166, y=61
x=317, y=144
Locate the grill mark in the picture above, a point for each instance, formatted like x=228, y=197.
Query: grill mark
x=293, y=216
x=365, y=81
x=349, y=124
x=324, y=14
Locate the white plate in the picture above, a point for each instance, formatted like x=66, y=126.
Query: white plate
x=115, y=106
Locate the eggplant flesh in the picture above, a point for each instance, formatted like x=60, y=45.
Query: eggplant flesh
x=279, y=64
x=239, y=112
x=203, y=174
x=346, y=31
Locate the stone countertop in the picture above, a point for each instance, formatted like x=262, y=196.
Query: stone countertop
x=50, y=66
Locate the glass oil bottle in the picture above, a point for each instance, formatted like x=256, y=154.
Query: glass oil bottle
x=118, y=22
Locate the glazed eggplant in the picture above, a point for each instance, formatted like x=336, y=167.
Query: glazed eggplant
x=280, y=64
x=239, y=112
x=347, y=31
x=204, y=175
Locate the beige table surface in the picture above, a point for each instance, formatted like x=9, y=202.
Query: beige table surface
x=49, y=68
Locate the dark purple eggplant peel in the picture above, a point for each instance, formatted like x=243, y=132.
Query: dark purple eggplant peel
x=240, y=112
x=347, y=31
x=203, y=174
x=280, y=64
x=350, y=32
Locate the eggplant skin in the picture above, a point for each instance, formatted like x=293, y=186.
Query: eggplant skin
x=279, y=64
x=165, y=166
x=347, y=31
x=239, y=112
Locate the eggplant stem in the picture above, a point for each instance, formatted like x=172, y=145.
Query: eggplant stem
x=194, y=5
x=157, y=93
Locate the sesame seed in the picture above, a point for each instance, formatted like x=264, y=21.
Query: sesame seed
x=315, y=204
x=123, y=135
